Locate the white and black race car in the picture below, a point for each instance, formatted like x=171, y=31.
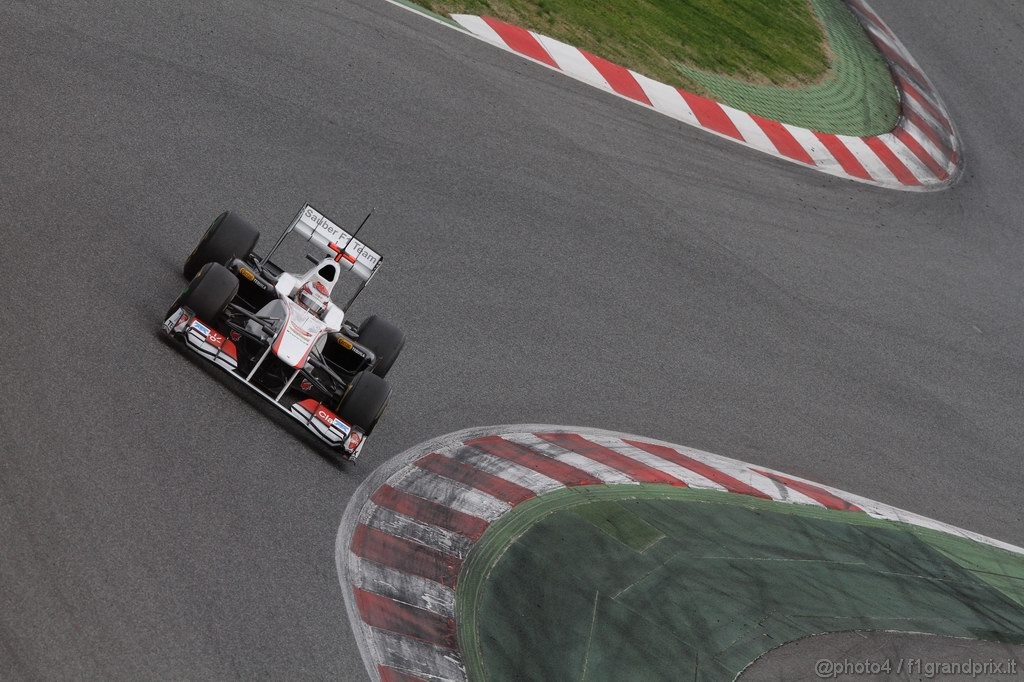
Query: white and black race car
x=281, y=334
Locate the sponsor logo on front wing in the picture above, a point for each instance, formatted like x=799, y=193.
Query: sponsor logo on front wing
x=200, y=327
x=341, y=426
x=215, y=339
x=329, y=418
x=324, y=415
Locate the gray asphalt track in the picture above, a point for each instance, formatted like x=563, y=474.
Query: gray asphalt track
x=555, y=255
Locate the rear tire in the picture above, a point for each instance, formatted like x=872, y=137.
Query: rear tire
x=384, y=339
x=208, y=294
x=364, y=401
x=229, y=236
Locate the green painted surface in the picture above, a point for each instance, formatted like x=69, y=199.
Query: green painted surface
x=858, y=96
x=554, y=590
x=618, y=522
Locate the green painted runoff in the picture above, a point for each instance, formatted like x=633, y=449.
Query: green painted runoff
x=653, y=582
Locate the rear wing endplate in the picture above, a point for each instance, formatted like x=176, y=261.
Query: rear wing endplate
x=318, y=229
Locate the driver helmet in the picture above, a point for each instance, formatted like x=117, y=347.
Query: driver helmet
x=313, y=297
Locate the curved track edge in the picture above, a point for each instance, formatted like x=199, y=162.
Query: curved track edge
x=922, y=153
x=408, y=528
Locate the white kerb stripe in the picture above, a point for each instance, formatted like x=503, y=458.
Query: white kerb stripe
x=506, y=469
x=750, y=131
x=926, y=142
x=866, y=18
x=783, y=493
x=408, y=528
x=403, y=587
x=909, y=158
x=480, y=28
x=448, y=493
x=812, y=145
x=572, y=61
x=415, y=657
x=872, y=164
x=884, y=511
x=604, y=472
x=883, y=37
x=922, y=89
x=731, y=467
x=666, y=99
x=690, y=478
x=918, y=108
x=742, y=472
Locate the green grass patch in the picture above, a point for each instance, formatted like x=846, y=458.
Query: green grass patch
x=554, y=591
x=804, y=62
x=774, y=41
x=857, y=96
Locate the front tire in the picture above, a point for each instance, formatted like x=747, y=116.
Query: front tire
x=364, y=401
x=384, y=339
x=208, y=294
x=229, y=236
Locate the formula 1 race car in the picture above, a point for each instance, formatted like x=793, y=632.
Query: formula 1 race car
x=281, y=334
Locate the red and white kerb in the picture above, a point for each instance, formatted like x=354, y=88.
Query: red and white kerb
x=922, y=152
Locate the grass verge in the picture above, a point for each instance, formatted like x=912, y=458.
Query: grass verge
x=804, y=62
x=760, y=41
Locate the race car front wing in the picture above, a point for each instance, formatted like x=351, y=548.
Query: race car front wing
x=211, y=345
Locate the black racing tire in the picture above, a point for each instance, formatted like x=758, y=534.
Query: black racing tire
x=208, y=294
x=229, y=236
x=384, y=339
x=364, y=401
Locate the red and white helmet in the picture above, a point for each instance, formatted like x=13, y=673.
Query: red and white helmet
x=314, y=297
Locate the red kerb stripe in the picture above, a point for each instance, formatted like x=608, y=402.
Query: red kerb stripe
x=619, y=77
x=910, y=89
x=843, y=155
x=733, y=485
x=783, y=140
x=925, y=127
x=385, y=613
x=520, y=454
x=870, y=16
x=405, y=556
x=817, y=494
x=520, y=40
x=899, y=59
x=429, y=512
x=891, y=161
x=394, y=675
x=711, y=115
x=638, y=471
x=921, y=153
x=507, y=491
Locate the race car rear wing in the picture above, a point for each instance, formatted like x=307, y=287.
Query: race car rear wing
x=319, y=230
